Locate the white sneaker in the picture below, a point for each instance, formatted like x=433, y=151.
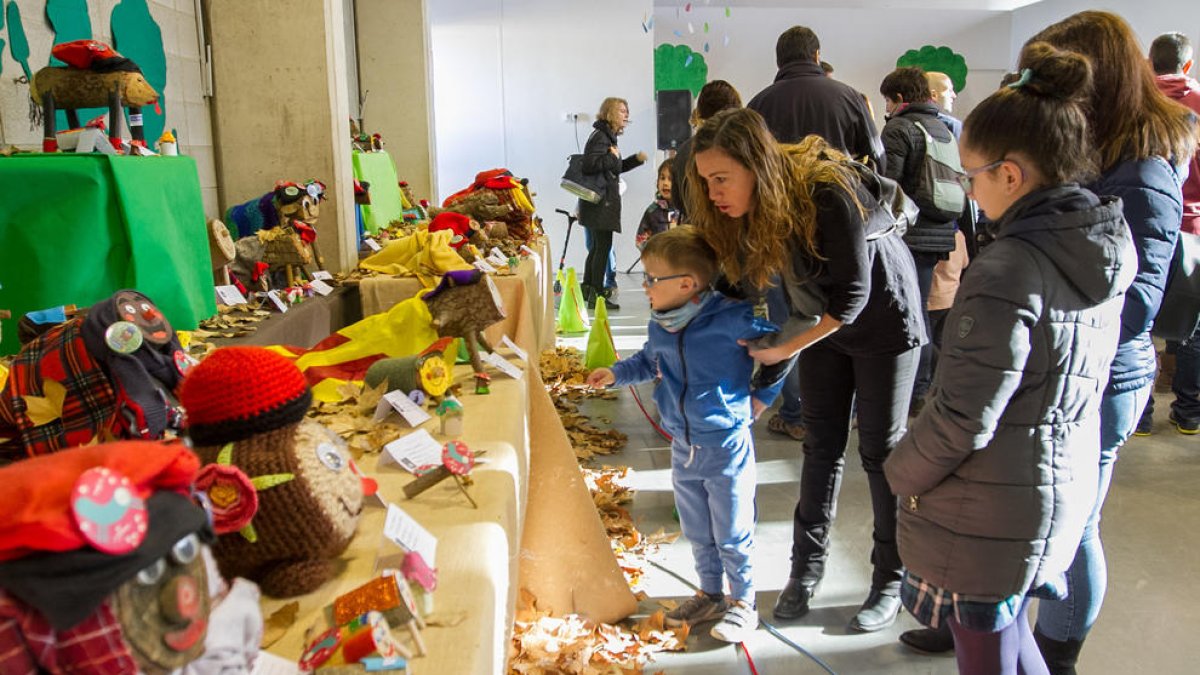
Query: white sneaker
x=738, y=624
x=696, y=609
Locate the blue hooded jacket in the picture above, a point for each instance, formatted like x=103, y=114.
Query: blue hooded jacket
x=1152, y=202
x=704, y=396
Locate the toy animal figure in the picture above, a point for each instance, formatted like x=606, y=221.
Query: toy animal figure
x=95, y=77
x=497, y=195
x=110, y=374
x=463, y=305
x=102, y=562
x=284, y=223
x=246, y=411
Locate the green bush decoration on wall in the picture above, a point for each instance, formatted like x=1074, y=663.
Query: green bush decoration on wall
x=937, y=59
x=678, y=67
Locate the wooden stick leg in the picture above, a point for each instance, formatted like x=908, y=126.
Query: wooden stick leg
x=458, y=481
x=416, y=636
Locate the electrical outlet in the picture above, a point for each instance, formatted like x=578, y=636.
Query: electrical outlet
x=575, y=117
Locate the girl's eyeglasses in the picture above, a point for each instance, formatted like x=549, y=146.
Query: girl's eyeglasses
x=649, y=280
x=966, y=178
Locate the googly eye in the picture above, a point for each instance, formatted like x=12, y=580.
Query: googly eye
x=331, y=456
x=145, y=307
x=185, y=550
x=291, y=191
x=130, y=309
x=152, y=574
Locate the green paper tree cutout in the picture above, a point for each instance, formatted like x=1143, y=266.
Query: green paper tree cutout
x=137, y=36
x=937, y=59
x=70, y=21
x=678, y=67
x=18, y=44
x=1, y=40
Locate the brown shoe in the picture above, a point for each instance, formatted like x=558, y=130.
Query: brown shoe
x=777, y=425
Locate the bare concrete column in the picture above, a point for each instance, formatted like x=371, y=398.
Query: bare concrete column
x=393, y=61
x=281, y=110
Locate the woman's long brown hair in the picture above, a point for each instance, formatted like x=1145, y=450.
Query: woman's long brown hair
x=1130, y=118
x=759, y=245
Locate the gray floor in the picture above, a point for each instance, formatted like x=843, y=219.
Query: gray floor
x=1150, y=618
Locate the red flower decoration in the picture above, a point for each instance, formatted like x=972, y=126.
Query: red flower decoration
x=234, y=499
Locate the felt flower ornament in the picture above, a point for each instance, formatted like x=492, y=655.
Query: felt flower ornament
x=233, y=494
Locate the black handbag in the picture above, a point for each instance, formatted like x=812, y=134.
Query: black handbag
x=1179, y=314
x=590, y=187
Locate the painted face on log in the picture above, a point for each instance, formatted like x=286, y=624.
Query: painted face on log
x=140, y=311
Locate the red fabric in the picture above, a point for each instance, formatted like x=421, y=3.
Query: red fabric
x=481, y=180
x=1186, y=91
x=82, y=53
x=450, y=220
x=216, y=391
x=29, y=644
x=36, y=497
x=307, y=234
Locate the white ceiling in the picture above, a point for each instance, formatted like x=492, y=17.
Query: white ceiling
x=994, y=5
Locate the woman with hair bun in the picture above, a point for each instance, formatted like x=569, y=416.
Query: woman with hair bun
x=996, y=476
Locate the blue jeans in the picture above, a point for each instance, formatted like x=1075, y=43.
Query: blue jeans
x=1087, y=578
x=777, y=311
x=610, y=272
x=1186, y=383
x=714, y=494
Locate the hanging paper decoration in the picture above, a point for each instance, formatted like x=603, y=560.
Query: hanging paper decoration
x=725, y=40
x=705, y=47
x=705, y=26
x=678, y=34
x=727, y=12
x=691, y=29
x=688, y=62
x=687, y=7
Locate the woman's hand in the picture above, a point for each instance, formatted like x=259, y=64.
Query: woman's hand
x=768, y=356
x=757, y=408
x=641, y=156
x=600, y=378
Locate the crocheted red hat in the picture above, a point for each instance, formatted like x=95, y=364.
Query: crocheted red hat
x=240, y=391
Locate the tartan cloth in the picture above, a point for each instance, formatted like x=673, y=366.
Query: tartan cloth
x=89, y=407
x=931, y=605
x=29, y=645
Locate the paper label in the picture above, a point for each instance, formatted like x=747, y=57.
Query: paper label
x=320, y=286
x=497, y=253
x=417, y=452
x=521, y=353
x=502, y=365
x=323, y=274
x=483, y=266
x=537, y=259
x=268, y=664
x=277, y=301
x=230, y=295
x=405, y=532
x=372, y=244
x=412, y=413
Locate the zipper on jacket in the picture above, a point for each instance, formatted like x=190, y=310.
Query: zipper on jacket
x=913, y=503
x=687, y=431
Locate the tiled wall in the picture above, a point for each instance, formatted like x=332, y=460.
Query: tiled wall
x=186, y=108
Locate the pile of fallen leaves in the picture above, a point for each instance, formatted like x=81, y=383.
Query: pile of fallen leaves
x=563, y=373
x=543, y=644
x=352, y=418
x=229, y=322
x=610, y=493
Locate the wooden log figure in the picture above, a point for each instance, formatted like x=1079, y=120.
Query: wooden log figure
x=463, y=305
x=94, y=75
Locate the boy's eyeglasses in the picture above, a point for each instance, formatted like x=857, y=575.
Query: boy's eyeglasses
x=649, y=280
x=967, y=177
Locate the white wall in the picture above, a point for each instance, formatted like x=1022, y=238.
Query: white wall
x=862, y=44
x=183, y=97
x=504, y=74
x=1149, y=18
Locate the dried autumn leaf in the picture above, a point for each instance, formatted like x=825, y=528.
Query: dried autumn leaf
x=45, y=409
x=276, y=625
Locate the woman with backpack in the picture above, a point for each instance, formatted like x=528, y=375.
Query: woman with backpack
x=824, y=226
x=913, y=137
x=997, y=475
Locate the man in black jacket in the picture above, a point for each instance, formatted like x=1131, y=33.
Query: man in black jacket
x=803, y=101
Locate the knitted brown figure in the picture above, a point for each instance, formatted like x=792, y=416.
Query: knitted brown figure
x=246, y=408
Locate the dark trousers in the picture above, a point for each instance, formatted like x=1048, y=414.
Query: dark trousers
x=830, y=383
x=1011, y=651
x=596, y=266
x=925, y=264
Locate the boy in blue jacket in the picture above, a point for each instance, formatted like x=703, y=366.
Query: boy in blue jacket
x=707, y=402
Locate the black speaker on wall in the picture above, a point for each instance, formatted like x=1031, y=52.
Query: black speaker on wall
x=674, y=109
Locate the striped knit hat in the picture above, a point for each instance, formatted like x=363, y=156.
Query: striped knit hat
x=238, y=392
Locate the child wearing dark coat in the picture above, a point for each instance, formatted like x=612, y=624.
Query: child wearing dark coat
x=661, y=215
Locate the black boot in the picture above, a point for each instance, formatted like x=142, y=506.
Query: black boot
x=589, y=294
x=877, y=613
x=608, y=301
x=793, y=601
x=1060, y=656
x=929, y=640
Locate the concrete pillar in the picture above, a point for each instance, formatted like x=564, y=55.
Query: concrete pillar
x=393, y=61
x=280, y=108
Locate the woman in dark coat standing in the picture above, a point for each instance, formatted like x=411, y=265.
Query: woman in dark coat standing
x=811, y=218
x=998, y=473
x=601, y=156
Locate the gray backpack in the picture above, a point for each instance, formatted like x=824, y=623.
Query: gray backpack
x=939, y=194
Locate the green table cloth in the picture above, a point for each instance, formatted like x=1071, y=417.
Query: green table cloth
x=76, y=228
x=377, y=169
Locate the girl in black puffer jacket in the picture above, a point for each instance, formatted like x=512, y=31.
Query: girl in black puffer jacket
x=997, y=475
